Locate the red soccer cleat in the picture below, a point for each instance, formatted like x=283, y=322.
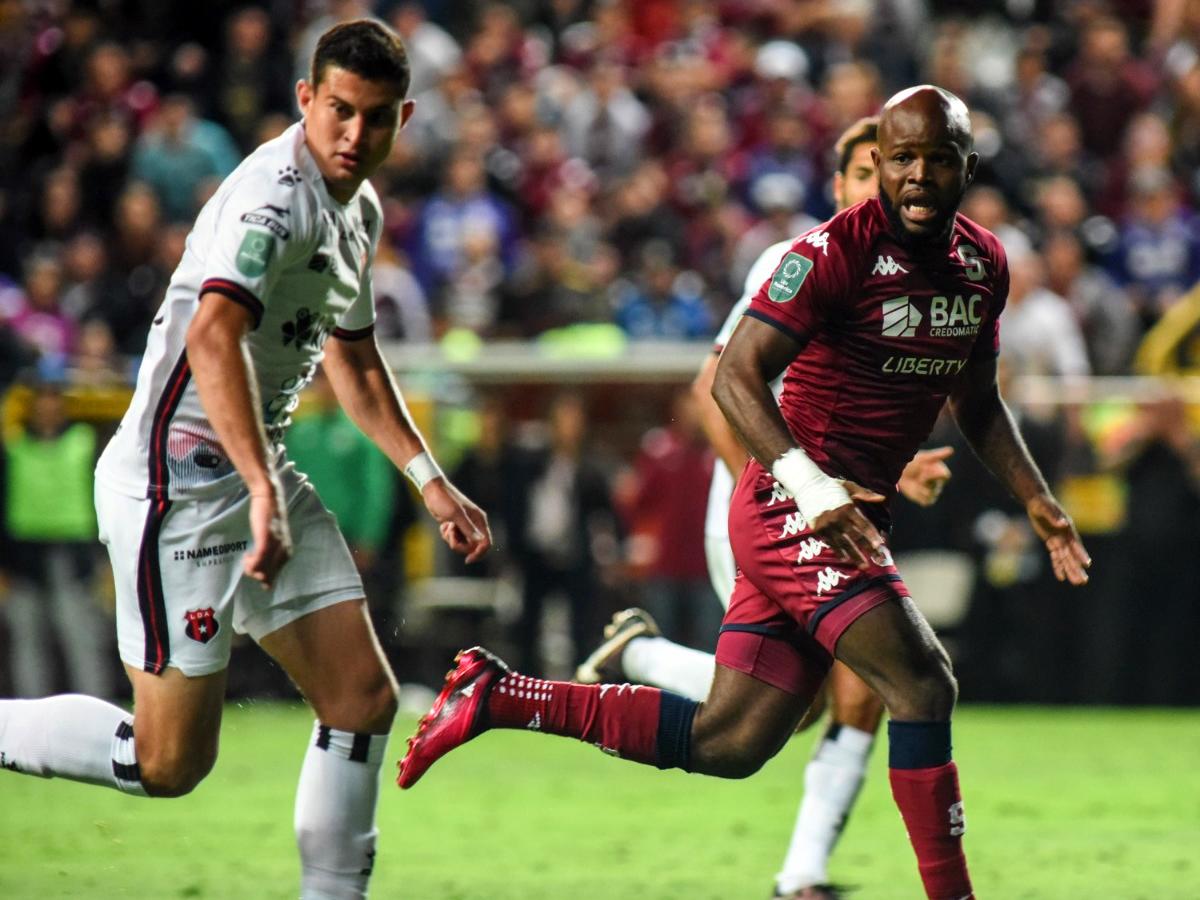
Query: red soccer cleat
x=456, y=714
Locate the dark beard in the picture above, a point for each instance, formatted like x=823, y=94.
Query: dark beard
x=910, y=241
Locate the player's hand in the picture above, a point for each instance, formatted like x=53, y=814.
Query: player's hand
x=462, y=524
x=1055, y=528
x=925, y=475
x=847, y=531
x=271, y=537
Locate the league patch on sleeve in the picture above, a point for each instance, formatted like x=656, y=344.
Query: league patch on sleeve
x=786, y=281
x=254, y=254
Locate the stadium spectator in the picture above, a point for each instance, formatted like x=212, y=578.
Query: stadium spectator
x=605, y=122
x=180, y=154
x=431, y=50
x=250, y=79
x=50, y=518
x=1041, y=333
x=40, y=320
x=1108, y=85
x=662, y=303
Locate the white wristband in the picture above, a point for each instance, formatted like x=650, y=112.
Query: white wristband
x=814, y=491
x=421, y=470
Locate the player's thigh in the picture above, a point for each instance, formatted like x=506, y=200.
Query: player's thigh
x=176, y=726
x=893, y=649
x=852, y=700
x=334, y=658
x=176, y=571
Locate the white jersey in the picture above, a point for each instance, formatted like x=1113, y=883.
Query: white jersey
x=275, y=241
x=720, y=489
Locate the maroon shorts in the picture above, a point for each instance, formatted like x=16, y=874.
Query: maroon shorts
x=793, y=596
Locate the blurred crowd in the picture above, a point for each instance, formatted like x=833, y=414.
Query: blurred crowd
x=617, y=163
x=612, y=161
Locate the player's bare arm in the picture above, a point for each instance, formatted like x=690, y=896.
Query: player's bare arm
x=753, y=358
x=220, y=366
x=712, y=420
x=986, y=423
x=367, y=391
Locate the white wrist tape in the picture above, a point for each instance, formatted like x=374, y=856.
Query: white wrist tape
x=814, y=491
x=421, y=470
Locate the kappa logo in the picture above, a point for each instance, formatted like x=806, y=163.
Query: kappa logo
x=818, y=239
x=885, y=265
x=829, y=579
x=779, y=494
x=535, y=724
x=290, y=176
x=792, y=526
x=202, y=624
x=810, y=549
x=900, y=318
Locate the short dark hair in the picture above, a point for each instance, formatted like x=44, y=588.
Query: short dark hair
x=365, y=47
x=864, y=131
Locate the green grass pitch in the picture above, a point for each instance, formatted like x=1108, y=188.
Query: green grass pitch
x=1061, y=805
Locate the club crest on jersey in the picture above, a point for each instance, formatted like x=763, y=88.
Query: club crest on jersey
x=785, y=284
x=255, y=252
x=900, y=318
x=202, y=624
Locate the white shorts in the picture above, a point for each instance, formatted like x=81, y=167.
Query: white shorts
x=721, y=567
x=180, y=588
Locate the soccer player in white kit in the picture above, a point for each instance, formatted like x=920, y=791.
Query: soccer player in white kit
x=200, y=509
x=634, y=647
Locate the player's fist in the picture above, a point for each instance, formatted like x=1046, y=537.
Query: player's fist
x=925, y=475
x=272, y=538
x=461, y=524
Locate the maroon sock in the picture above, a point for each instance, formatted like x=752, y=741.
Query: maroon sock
x=931, y=806
x=621, y=719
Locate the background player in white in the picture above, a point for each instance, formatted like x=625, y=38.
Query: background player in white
x=633, y=648
x=199, y=507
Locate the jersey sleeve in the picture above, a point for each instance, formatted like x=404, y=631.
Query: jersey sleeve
x=358, y=321
x=760, y=271
x=805, y=287
x=254, y=238
x=988, y=342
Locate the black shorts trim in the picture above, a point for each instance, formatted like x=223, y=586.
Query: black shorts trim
x=236, y=293
x=354, y=334
x=777, y=325
x=151, y=602
x=830, y=605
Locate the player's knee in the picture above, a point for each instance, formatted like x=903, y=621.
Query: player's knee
x=930, y=697
x=862, y=712
x=174, y=775
x=731, y=755
x=368, y=708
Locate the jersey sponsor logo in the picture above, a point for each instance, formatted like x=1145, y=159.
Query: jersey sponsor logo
x=955, y=317
x=830, y=578
x=810, y=549
x=900, y=318
x=290, y=176
x=922, y=365
x=309, y=331
x=818, y=239
x=254, y=254
x=970, y=259
x=265, y=220
x=202, y=624
x=212, y=555
x=885, y=265
x=792, y=271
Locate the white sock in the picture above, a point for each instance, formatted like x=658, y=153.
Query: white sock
x=664, y=664
x=831, y=783
x=70, y=736
x=335, y=813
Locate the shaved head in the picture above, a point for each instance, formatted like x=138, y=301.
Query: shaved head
x=930, y=103
x=925, y=161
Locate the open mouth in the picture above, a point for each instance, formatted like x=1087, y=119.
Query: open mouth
x=349, y=160
x=919, y=210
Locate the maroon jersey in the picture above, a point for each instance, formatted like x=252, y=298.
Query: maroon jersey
x=885, y=333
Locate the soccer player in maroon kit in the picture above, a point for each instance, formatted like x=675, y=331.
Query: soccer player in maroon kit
x=879, y=316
